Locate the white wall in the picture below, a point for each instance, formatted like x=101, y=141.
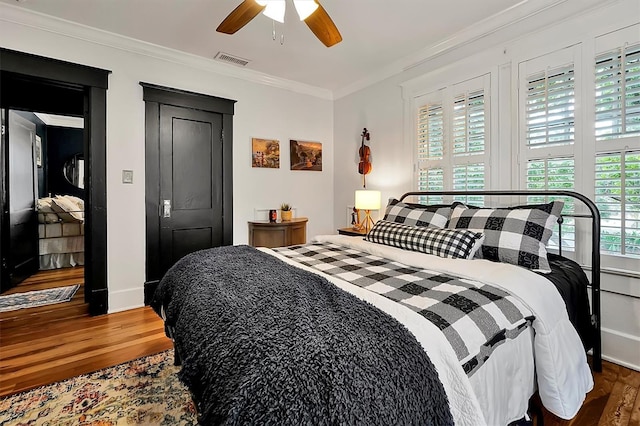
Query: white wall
x=385, y=109
x=261, y=111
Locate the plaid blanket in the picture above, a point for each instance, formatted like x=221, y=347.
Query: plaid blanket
x=474, y=317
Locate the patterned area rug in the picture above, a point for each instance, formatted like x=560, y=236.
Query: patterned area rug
x=31, y=299
x=141, y=392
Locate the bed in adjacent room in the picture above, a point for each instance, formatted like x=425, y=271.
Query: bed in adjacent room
x=440, y=315
x=61, y=232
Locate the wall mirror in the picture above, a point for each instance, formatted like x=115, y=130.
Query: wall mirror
x=73, y=170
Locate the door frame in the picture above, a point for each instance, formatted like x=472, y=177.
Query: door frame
x=154, y=96
x=29, y=82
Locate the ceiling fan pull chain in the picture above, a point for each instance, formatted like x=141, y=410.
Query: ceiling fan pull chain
x=281, y=39
x=273, y=32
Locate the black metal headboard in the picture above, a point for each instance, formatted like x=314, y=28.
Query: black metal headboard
x=594, y=215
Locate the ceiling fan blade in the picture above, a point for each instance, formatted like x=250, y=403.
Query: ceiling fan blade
x=240, y=16
x=323, y=27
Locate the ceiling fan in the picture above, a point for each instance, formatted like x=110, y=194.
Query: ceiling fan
x=310, y=11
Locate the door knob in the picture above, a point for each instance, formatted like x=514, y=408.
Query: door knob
x=166, y=208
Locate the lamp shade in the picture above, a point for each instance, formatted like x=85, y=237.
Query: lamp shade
x=367, y=199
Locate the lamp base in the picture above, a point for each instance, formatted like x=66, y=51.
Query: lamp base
x=367, y=222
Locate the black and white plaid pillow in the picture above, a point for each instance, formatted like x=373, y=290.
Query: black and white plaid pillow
x=415, y=215
x=518, y=235
x=451, y=243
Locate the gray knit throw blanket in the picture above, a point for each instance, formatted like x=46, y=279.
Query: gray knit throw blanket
x=263, y=342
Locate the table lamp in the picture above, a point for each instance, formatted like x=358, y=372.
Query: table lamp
x=367, y=200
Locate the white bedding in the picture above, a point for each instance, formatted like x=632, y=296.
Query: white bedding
x=60, y=229
x=499, y=391
x=61, y=245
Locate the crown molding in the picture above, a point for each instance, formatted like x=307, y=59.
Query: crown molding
x=504, y=24
x=28, y=18
x=61, y=120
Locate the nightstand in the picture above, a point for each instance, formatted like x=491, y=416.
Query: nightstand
x=351, y=232
x=278, y=234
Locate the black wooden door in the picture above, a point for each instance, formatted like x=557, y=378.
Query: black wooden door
x=21, y=258
x=191, y=182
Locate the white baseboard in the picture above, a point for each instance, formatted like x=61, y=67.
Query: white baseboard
x=621, y=348
x=124, y=300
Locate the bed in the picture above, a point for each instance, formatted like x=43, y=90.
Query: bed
x=405, y=326
x=60, y=232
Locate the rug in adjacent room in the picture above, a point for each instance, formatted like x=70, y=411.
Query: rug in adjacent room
x=143, y=392
x=31, y=299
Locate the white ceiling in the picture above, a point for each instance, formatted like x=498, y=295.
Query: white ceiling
x=376, y=33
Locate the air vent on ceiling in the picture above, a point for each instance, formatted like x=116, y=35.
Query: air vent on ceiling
x=225, y=57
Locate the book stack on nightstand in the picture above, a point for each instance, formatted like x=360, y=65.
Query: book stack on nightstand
x=352, y=232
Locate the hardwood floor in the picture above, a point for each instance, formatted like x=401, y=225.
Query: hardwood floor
x=43, y=280
x=31, y=356
x=50, y=343
x=51, y=278
x=614, y=400
x=34, y=356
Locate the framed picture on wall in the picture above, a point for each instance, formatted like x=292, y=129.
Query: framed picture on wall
x=38, y=151
x=305, y=155
x=265, y=153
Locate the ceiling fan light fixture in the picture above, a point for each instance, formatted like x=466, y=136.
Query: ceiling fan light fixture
x=305, y=8
x=310, y=11
x=275, y=9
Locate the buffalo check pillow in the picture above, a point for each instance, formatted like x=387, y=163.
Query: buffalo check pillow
x=518, y=235
x=416, y=215
x=451, y=243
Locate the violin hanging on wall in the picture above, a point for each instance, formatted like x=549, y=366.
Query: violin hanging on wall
x=364, y=166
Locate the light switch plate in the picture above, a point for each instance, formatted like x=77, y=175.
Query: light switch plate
x=127, y=176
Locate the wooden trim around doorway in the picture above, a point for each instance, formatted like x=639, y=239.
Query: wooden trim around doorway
x=37, y=76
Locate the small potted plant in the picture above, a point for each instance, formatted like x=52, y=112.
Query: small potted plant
x=285, y=212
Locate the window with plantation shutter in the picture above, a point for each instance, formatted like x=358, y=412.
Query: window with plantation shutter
x=469, y=123
x=430, y=132
x=616, y=92
x=548, y=99
x=617, y=195
x=617, y=96
x=549, y=107
x=555, y=174
x=431, y=180
x=452, y=138
x=469, y=177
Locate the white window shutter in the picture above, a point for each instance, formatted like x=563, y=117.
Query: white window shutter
x=469, y=123
x=452, y=137
x=431, y=132
x=550, y=107
x=617, y=97
x=617, y=195
x=431, y=179
x=555, y=174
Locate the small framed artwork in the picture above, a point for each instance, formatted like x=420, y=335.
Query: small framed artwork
x=38, y=151
x=265, y=153
x=305, y=155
